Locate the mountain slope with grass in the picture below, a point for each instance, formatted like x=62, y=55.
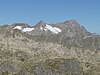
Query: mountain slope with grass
x=65, y=48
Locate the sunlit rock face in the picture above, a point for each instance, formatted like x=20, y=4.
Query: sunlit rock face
x=65, y=48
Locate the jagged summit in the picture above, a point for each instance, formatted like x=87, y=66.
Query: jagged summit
x=72, y=21
x=71, y=25
x=58, y=31
x=69, y=28
x=40, y=24
x=24, y=25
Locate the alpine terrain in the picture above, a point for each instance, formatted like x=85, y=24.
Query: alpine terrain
x=65, y=48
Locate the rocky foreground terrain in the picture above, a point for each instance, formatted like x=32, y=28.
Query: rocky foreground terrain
x=65, y=48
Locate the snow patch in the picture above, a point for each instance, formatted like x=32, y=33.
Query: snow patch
x=27, y=29
x=41, y=28
x=54, y=30
x=45, y=29
x=18, y=27
x=23, y=29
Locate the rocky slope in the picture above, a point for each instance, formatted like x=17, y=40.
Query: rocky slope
x=65, y=48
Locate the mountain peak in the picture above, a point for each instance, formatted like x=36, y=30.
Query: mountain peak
x=40, y=23
x=24, y=25
x=71, y=22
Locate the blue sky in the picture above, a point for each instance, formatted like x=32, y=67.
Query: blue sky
x=86, y=12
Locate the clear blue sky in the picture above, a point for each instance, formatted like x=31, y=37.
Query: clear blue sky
x=86, y=12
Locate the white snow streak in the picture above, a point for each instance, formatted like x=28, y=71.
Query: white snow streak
x=18, y=27
x=41, y=28
x=23, y=29
x=54, y=30
x=27, y=29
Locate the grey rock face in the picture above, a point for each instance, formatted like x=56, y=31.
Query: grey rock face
x=58, y=67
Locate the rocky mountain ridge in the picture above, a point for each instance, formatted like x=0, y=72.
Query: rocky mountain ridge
x=65, y=48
